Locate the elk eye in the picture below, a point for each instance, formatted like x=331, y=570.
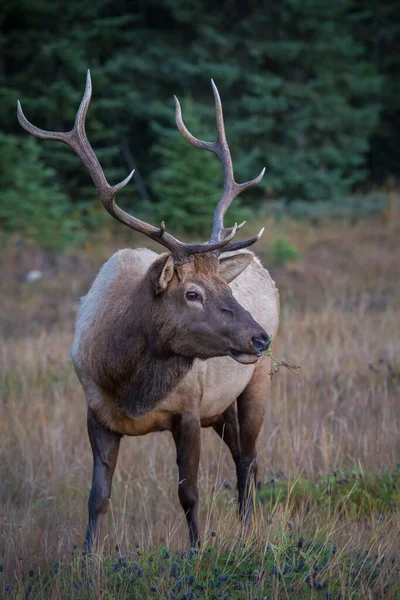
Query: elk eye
x=193, y=296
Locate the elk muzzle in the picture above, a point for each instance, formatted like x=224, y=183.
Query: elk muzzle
x=261, y=343
x=252, y=351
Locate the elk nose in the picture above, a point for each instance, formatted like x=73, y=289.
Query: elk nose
x=261, y=343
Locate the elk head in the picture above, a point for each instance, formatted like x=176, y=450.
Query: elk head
x=196, y=314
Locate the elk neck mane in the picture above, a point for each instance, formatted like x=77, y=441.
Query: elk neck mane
x=124, y=354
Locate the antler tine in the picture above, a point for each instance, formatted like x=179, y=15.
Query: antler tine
x=210, y=146
x=231, y=188
x=242, y=244
x=77, y=140
x=228, y=230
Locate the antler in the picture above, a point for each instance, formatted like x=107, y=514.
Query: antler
x=78, y=141
x=231, y=188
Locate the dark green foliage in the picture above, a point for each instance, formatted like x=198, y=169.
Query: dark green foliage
x=31, y=200
x=280, y=252
x=311, y=101
x=377, y=26
x=300, y=80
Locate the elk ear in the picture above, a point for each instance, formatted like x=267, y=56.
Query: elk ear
x=231, y=266
x=162, y=274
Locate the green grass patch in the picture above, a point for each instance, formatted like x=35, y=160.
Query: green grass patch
x=290, y=567
x=349, y=491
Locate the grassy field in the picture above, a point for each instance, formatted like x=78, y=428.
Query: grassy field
x=327, y=509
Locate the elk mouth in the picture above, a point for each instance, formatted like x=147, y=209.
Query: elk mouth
x=245, y=358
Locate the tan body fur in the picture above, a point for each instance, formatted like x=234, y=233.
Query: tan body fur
x=209, y=387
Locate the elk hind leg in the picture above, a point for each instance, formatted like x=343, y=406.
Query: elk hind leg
x=227, y=427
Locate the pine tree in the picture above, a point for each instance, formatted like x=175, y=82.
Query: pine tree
x=377, y=26
x=31, y=200
x=310, y=100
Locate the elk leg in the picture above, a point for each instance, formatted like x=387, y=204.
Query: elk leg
x=186, y=433
x=105, y=446
x=251, y=409
x=227, y=427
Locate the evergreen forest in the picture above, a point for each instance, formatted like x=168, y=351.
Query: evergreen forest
x=310, y=90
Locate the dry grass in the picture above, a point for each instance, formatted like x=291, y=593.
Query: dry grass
x=340, y=322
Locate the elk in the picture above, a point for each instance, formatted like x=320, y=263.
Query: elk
x=173, y=341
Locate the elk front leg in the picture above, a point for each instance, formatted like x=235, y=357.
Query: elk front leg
x=105, y=446
x=251, y=409
x=186, y=433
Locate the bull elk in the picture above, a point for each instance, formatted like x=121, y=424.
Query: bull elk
x=173, y=341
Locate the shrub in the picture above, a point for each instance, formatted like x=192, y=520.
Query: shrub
x=281, y=252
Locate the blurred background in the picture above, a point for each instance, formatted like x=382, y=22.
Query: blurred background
x=311, y=91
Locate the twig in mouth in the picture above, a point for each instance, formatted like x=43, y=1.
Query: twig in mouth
x=277, y=364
